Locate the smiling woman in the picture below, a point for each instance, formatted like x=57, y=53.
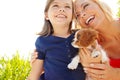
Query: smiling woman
x=101, y=21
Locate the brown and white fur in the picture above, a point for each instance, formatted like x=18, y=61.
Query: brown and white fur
x=87, y=38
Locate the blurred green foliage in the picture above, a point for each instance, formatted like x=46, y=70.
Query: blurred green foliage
x=15, y=68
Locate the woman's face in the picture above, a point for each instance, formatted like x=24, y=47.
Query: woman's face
x=88, y=13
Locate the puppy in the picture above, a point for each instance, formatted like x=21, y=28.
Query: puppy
x=87, y=38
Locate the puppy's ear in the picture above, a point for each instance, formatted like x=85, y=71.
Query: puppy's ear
x=95, y=44
x=95, y=33
x=77, y=35
x=88, y=36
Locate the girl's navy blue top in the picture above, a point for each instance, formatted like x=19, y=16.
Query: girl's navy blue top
x=57, y=53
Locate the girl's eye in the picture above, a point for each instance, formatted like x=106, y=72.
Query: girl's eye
x=55, y=5
x=85, y=6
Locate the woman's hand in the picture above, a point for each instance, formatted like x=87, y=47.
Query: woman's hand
x=34, y=55
x=103, y=71
x=97, y=70
x=86, y=58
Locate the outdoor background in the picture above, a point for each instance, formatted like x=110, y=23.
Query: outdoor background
x=20, y=20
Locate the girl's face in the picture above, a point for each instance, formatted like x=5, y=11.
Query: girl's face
x=60, y=12
x=88, y=13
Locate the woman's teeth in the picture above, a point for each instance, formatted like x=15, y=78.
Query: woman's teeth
x=89, y=19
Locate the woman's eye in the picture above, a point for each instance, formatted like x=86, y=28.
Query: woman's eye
x=67, y=7
x=85, y=6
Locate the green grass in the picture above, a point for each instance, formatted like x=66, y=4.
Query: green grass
x=15, y=68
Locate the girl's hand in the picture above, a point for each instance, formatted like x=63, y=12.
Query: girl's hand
x=33, y=57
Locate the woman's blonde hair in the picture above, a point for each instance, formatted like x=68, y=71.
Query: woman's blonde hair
x=47, y=27
x=106, y=9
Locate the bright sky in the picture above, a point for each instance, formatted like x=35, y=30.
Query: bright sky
x=19, y=21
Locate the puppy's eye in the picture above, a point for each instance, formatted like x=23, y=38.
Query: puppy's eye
x=78, y=36
x=73, y=40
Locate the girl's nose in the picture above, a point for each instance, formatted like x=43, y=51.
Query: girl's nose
x=61, y=10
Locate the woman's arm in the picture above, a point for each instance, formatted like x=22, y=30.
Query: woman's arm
x=37, y=69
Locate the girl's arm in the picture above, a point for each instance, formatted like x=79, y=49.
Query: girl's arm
x=36, y=70
x=34, y=56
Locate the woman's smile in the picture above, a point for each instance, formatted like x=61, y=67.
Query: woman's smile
x=89, y=20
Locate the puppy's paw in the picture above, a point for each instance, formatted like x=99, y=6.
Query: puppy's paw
x=72, y=66
x=74, y=63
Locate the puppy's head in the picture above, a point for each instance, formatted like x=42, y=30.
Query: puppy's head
x=85, y=38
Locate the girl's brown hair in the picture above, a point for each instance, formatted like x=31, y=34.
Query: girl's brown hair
x=47, y=27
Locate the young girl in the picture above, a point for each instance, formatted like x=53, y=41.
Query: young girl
x=54, y=44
